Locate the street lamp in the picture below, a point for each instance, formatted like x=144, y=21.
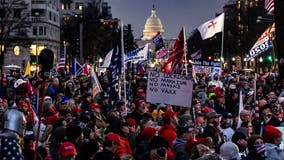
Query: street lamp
x=260, y=19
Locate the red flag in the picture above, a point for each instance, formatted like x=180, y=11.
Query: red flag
x=86, y=69
x=177, y=54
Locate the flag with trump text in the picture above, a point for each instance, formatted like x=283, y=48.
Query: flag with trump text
x=175, y=61
x=138, y=54
x=211, y=27
x=115, y=68
x=262, y=44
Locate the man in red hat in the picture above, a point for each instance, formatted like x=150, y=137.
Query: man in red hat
x=97, y=116
x=139, y=110
x=67, y=151
x=110, y=145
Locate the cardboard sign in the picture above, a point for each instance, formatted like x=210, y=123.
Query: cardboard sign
x=174, y=89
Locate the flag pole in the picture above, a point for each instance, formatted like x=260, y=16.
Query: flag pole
x=185, y=51
x=222, y=44
x=122, y=50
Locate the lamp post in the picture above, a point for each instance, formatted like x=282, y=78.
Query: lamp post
x=36, y=40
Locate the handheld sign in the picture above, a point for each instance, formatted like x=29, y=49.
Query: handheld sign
x=174, y=89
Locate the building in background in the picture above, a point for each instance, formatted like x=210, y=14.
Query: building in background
x=43, y=32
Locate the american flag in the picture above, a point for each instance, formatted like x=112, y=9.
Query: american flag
x=61, y=61
x=269, y=6
x=177, y=54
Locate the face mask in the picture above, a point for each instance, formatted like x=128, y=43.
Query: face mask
x=229, y=124
x=260, y=149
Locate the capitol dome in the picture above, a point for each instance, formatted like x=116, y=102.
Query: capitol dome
x=152, y=26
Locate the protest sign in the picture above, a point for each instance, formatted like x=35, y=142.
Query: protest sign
x=174, y=89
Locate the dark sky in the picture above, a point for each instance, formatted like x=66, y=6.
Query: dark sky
x=173, y=13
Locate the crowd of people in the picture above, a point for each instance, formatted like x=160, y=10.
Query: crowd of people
x=60, y=119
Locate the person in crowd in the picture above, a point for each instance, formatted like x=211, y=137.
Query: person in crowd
x=240, y=139
x=256, y=148
x=142, y=142
x=158, y=148
x=52, y=88
x=231, y=101
x=219, y=105
x=67, y=151
x=226, y=126
x=196, y=147
x=139, y=110
x=215, y=81
x=229, y=151
x=110, y=145
x=212, y=129
x=97, y=116
x=183, y=134
x=12, y=133
x=272, y=138
x=124, y=148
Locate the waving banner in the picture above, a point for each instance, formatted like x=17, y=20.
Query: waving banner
x=262, y=44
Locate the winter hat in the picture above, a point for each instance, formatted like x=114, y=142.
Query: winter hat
x=113, y=137
x=270, y=134
x=237, y=136
x=148, y=133
x=229, y=150
x=158, y=142
x=193, y=142
x=245, y=113
x=66, y=149
x=137, y=101
x=168, y=114
x=46, y=106
x=131, y=121
x=51, y=119
x=169, y=135
x=73, y=132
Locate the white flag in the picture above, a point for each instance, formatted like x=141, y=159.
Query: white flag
x=138, y=54
x=107, y=59
x=241, y=107
x=211, y=27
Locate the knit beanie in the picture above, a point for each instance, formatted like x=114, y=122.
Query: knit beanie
x=148, y=133
x=270, y=134
x=229, y=150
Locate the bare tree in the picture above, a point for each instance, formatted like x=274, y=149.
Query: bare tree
x=14, y=25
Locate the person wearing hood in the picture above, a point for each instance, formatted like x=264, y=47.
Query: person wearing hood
x=215, y=81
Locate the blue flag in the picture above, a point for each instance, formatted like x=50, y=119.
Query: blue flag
x=115, y=71
x=76, y=68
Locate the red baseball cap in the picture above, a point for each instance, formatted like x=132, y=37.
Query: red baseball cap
x=113, y=137
x=67, y=148
x=95, y=105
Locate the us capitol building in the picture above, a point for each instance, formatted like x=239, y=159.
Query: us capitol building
x=152, y=26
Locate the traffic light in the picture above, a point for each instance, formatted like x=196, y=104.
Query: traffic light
x=269, y=58
x=209, y=58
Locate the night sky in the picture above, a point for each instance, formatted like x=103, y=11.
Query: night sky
x=173, y=13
